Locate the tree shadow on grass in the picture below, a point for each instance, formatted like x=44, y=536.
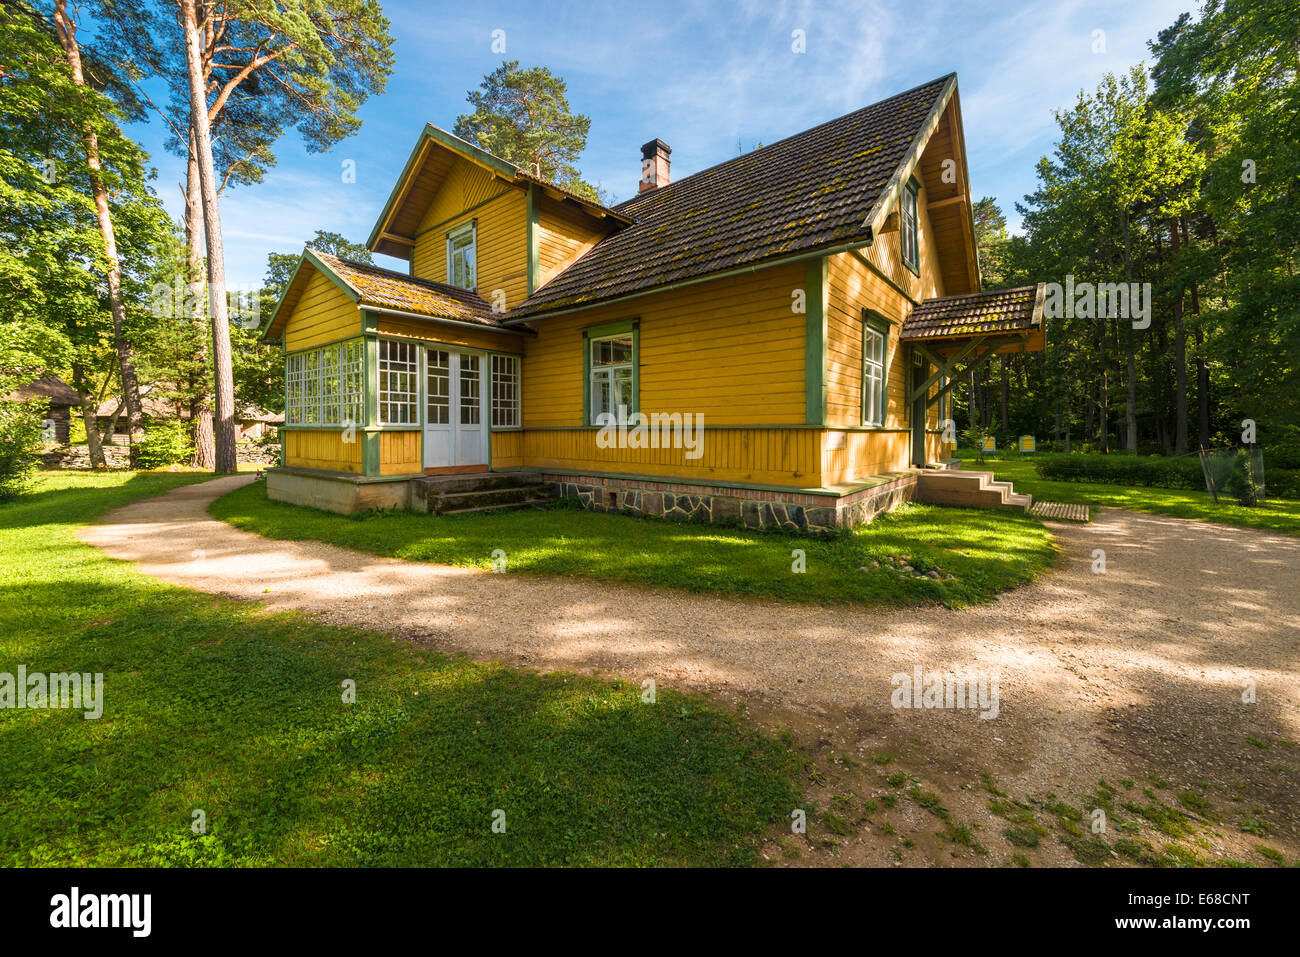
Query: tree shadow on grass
x=215, y=706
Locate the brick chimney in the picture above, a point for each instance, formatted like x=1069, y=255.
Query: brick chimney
x=654, y=165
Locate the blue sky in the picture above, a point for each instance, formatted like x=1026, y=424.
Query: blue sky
x=703, y=76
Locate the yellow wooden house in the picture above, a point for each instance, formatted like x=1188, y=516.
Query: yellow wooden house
x=804, y=308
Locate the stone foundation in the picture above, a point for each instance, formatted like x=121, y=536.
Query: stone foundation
x=796, y=510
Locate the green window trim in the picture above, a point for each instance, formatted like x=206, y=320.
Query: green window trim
x=816, y=343
x=909, y=227
x=454, y=237
x=534, y=240
x=874, y=324
x=604, y=331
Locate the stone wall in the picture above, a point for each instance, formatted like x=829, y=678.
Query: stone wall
x=792, y=511
x=78, y=457
x=119, y=456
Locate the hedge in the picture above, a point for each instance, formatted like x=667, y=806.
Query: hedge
x=1132, y=471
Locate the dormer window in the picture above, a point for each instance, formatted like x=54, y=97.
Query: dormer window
x=462, y=257
x=909, y=248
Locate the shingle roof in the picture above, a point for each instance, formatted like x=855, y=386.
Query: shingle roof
x=812, y=190
x=385, y=288
x=993, y=311
x=49, y=387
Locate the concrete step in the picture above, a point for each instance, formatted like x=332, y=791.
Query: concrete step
x=503, y=507
x=482, y=499
x=969, y=490
x=474, y=481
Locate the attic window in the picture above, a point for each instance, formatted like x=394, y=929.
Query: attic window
x=909, y=248
x=462, y=258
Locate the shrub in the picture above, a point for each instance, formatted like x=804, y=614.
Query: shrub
x=1284, y=451
x=21, y=438
x=1178, y=473
x=973, y=439
x=1174, y=473
x=164, y=444
x=1240, y=483
x=1281, y=483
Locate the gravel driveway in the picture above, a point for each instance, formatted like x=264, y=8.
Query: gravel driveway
x=1141, y=667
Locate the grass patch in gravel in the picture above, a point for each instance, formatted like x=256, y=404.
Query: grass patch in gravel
x=985, y=551
x=217, y=705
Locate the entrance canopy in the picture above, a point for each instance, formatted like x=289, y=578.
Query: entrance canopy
x=955, y=334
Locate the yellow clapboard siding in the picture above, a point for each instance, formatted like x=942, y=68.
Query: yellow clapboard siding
x=322, y=449
x=501, y=231
x=322, y=314
x=400, y=453
x=731, y=350
x=872, y=453
x=507, y=450
x=564, y=234
x=450, y=335
x=788, y=457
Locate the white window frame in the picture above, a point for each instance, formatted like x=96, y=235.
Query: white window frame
x=909, y=237
x=325, y=386
x=609, y=371
x=454, y=235
x=505, y=391
x=875, y=374
x=398, y=382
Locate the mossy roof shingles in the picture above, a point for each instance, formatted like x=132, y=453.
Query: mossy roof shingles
x=812, y=190
x=385, y=288
x=980, y=313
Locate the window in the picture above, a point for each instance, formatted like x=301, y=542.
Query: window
x=505, y=392
x=918, y=372
x=325, y=386
x=437, y=387
x=908, y=245
x=612, y=359
x=470, y=383
x=874, y=344
x=462, y=261
x=398, y=382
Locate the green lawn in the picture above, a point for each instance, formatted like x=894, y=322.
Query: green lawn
x=1278, y=515
x=217, y=705
x=986, y=551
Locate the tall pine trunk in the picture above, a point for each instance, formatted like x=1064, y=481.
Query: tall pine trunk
x=1202, y=370
x=201, y=437
x=66, y=28
x=1180, y=356
x=1130, y=347
x=226, y=461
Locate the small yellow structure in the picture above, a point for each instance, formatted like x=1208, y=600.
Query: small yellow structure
x=770, y=341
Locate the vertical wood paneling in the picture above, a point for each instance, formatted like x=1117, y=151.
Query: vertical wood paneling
x=789, y=457
x=399, y=453
x=322, y=449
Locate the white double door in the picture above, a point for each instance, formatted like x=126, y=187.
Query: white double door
x=456, y=390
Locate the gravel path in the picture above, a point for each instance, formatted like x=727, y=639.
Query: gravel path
x=1099, y=674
